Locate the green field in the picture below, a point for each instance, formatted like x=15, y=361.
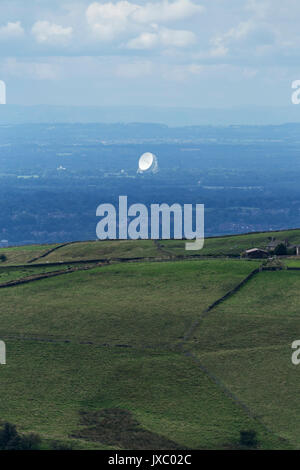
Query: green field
x=104, y=250
x=25, y=272
x=225, y=246
x=23, y=254
x=246, y=343
x=142, y=305
x=233, y=245
x=97, y=358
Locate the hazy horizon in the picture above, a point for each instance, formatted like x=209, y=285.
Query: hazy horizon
x=170, y=116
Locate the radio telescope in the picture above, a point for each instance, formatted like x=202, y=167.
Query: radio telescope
x=148, y=163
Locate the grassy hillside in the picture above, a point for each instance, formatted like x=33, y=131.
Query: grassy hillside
x=23, y=254
x=104, y=250
x=47, y=385
x=97, y=357
x=16, y=273
x=246, y=342
x=232, y=245
x=136, y=304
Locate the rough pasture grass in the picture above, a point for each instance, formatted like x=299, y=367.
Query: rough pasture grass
x=104, y=250
x=140, y=305
x=246, y=342
x=233, y=245
x=11, y=274
x=23, y=254
x=45, y=387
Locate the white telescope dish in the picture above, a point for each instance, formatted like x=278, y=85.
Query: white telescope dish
x=148, y=163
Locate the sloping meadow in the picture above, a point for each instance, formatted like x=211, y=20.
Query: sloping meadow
x=245, y=342
x=104, y=344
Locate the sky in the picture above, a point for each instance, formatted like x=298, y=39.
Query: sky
x=204, y=53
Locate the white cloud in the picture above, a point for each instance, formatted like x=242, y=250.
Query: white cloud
x=144, y=41
x=109, y=20
x=28, y=69
x=157, y=70
x=165, y=11
x=11, y=30
x=251, y=35
x=219, y=51
x=165, y=37
x=177, y=38
x=51, y=33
